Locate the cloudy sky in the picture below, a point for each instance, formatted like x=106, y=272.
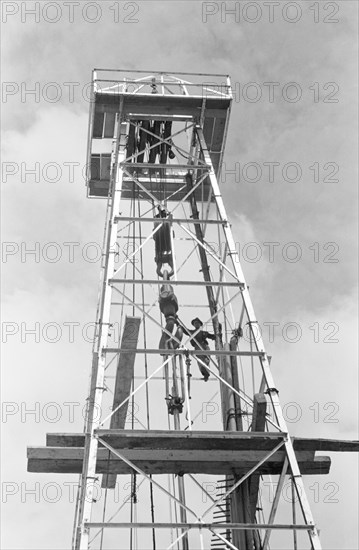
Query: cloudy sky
x=294, y=73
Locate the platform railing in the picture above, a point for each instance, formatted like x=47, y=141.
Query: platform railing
x=118, y=81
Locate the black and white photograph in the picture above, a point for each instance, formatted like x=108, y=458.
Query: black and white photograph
x=179, y=275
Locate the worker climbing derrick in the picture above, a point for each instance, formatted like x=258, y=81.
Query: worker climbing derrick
x=199, y=340
x=163, y=244
x=169, y=306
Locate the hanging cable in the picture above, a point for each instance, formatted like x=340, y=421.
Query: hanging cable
x=133, y=474
x=146, y=375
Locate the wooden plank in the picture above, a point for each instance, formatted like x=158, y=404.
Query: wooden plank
x=335, y=445
x=320, y=465
x=163, y=439
x=123, y=382
x=200, y=440
x=168, y=455
x=258, y=425
x=259, y=412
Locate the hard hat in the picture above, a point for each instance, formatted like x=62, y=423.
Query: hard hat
x=196, y=320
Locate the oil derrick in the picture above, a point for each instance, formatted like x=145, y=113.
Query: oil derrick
x=173, y=413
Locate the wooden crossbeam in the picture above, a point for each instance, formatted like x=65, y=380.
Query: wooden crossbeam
x=334, y=445
x=185, y=455
x=163, y=439
x=123, y=382
x=201, y=440
x=160, y=451
x=69, y=460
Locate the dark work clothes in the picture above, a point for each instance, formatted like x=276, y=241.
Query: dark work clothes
x=200, y=340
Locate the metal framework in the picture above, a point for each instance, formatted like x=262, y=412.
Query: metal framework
x=168, y=441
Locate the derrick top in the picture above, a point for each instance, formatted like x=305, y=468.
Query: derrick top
x=139, y=98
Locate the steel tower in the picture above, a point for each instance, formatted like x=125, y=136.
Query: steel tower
x=188, y=433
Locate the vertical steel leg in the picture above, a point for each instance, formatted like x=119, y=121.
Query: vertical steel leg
x=89, y=476
x=298, y=481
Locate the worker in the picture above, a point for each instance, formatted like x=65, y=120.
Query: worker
x=199, y=342
x=169, y=306
x=144, y=127
x=153, y=140
x=166, y=148
x=163, y=245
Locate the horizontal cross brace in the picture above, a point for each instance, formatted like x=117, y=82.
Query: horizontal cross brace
x=212, y=526
x=154, y=351
x=178, y=283
x=142, y=116
x=158, y=167
x=168, y=220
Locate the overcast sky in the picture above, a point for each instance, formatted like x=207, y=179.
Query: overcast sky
x=306, y=117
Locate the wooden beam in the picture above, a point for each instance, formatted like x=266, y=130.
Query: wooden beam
x=123, y=383
x=259, y=412
x=335, y=445
x=319, y=465
x=152, y=455
x=201, y=440
x=163, y=439
x=258, y=425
